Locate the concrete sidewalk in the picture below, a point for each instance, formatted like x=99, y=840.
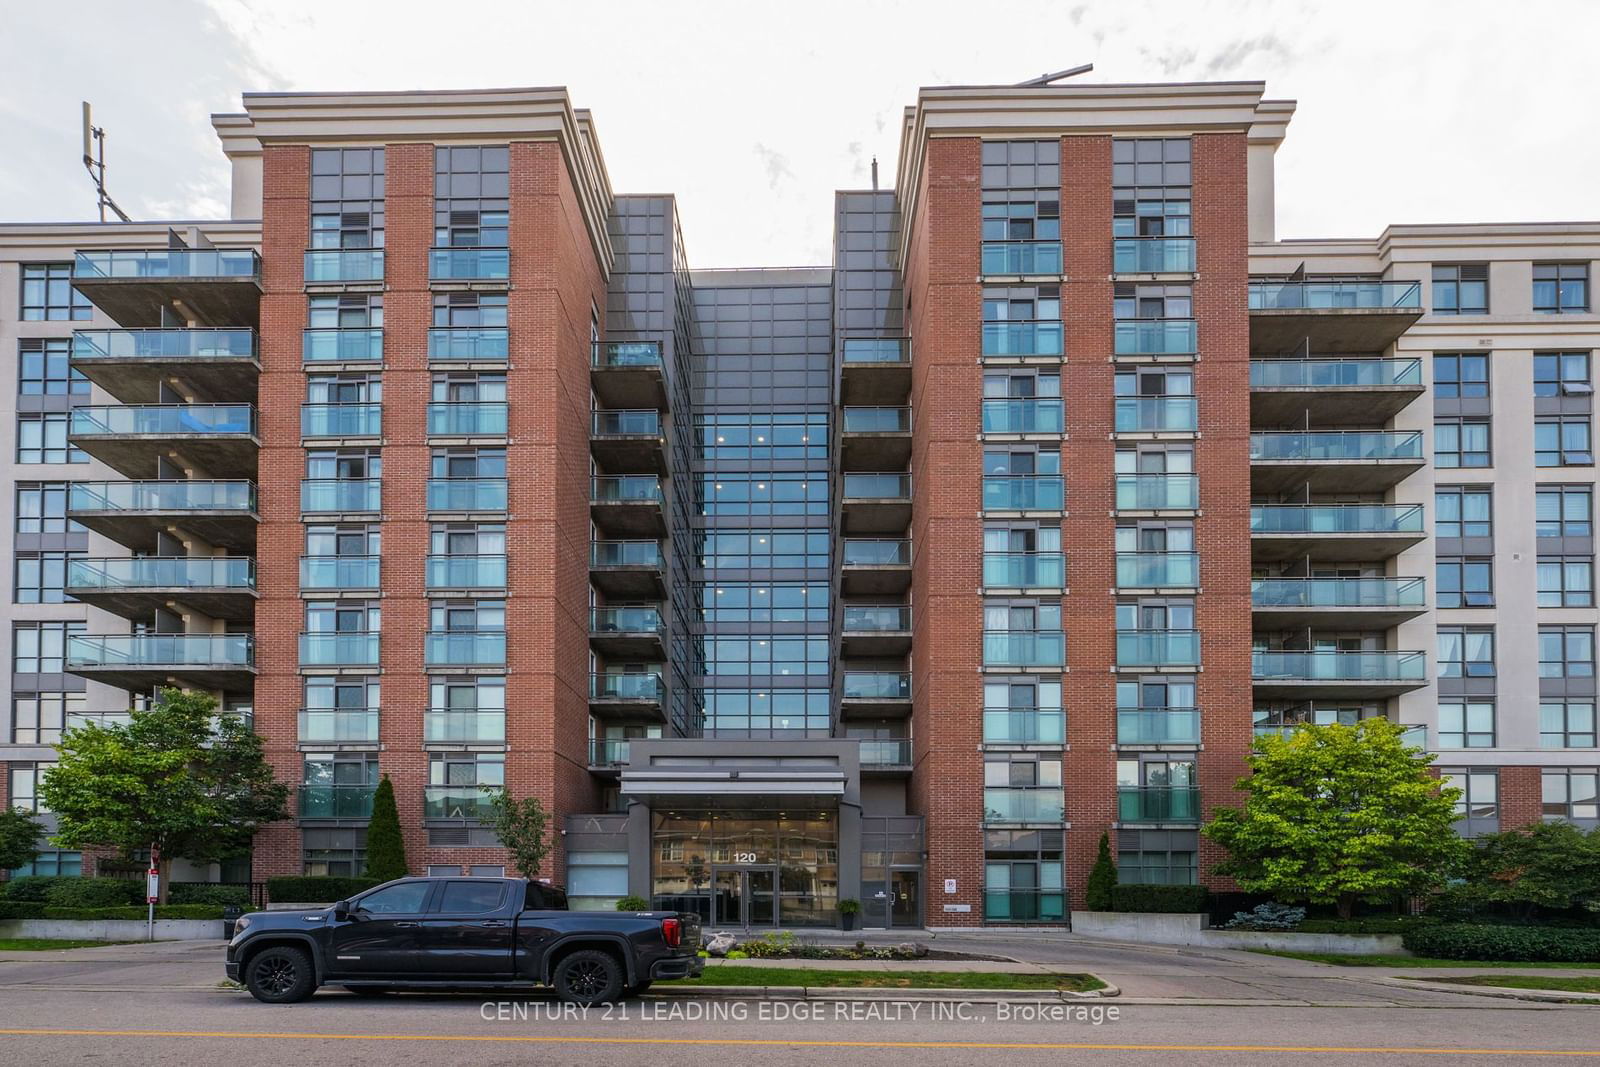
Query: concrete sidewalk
x=941, y=966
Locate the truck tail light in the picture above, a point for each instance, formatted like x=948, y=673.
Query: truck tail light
x=671, y=932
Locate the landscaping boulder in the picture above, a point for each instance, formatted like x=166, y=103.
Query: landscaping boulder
x=720, y=945
x=914, y=949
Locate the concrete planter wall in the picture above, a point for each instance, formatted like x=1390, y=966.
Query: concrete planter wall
x=1192, y=930
x=113, y=929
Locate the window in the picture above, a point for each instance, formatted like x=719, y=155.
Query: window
x=42, y=508
x=471, y=190
x=1150, y=180
x=1461, y=443
x=52, y=864
x=1566, y=724
x=766, y=712
x=1562, y=442
x=1178, y=866
x=1461, y=289
x=347, y=190
x=1566, y=582
x=42, y=438
x=347, y=311
x=41, y=647
x=1561, y=374
x=1466, y=724
x=469, y=309
x=1561, y=287
x=333, y=862
x=406, y=898
x=1021, y=165
x=1132, y=300
x=763, y=494
x=763, y=602
x=487, y=870
x=1480, y=792
x=47, y=293
x=1460, y=376
x=41, y=577
x=1566, y=652
x=1564, y=511
x=1463, y=511
x=43, y=370
x=471, y=898
x=1465, y=583
x=38, y=718
x=1570, y=794
x=1466, y=652
x=25, y=779
x=762, y=435
x=761, y=549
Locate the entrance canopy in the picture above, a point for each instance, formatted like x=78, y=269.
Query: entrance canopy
x=715, y=786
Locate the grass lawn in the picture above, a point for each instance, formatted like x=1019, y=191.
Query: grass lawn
x=1575, y=984
x=734, y=975
x=45, y=944
x=1416, y=961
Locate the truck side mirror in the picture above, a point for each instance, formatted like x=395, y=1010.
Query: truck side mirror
x=341, y=910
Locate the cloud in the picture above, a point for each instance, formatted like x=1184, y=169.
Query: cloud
x=776, y=164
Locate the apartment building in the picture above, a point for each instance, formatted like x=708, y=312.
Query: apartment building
x=902, y=579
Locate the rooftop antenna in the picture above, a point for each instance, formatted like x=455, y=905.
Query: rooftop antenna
x=94, y=161
x=874, y=173
x=1051, y=79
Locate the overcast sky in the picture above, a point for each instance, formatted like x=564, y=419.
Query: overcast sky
x=753, y=113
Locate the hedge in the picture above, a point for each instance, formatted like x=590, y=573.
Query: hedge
x=21, y=909
x=163, y=911
x=95, y=893
x=1159, y=898
x=187, y=893
x=1374, y=925
x=310, y=889
x=1533, y=944
x=32, y=887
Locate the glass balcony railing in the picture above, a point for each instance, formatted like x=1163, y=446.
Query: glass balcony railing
x=624, y=554
x=625, y=620
x=163, y=496
x=1023, y=805
x=1366, y=295
x=332, y=725
x=876, y=618
x=468, y=494
x=339, y=649
x=1043, y=415
x=877, y=487
x=1332, y=665
x=338, y=572
x=876, y=350
x=1022, y=257
x=1336, y=519
x=464, y=648
x=1158, y=648
x=1155, y=337
x=1023, y=492
x=886, y=752
x=1024, y=905
x=362, y=345
x=344, y=265
x=1025, y=570
x=161, y=419
x=468, y=418
x=1334, y=373
x=463, y=727
x=626, y=488
x=1024, y=648
x=1024, y=726
x=625, y=687
x=161, y=650
x=1338, y=593
x=1042, y=338
x=341, y=420
x=469, y=802
x=643, y=422
x=336, y=801
x=1156, y=414
x=162, y=344
x=162, y=572
x=877, y=420
x=1157, y=570
x=626, y=354
x=1158, y=492
x=469, y=264
x=1158, y=803
x=466, y=572
x=1152, y=255
x=876, y=685
x=1375, y=446
x=231, y=263
x=482, y=343
x=869, y=552
x=334, y=495
x=610, y=752
x=1158, y=726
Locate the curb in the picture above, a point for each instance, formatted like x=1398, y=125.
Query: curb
x=971, y=996
x=1555, y=996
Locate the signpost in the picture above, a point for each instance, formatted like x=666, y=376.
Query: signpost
x=152, y=893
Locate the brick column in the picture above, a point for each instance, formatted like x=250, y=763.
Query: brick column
x=1521, y=797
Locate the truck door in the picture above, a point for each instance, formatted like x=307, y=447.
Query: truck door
x=380, y=937
x=468, y=932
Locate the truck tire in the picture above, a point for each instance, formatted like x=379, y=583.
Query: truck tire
x=589, y=976
x=280, y=974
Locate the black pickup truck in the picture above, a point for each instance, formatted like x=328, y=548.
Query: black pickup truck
x=457, y=934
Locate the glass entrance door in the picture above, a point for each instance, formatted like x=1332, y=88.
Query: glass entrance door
x=745, y=896
x=906, y=907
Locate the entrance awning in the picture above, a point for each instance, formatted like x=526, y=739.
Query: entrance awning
x=821, y=783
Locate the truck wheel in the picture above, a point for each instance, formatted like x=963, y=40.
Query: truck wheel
x=280, y=975
x=589, y=976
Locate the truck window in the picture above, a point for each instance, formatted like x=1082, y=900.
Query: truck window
x=404, y=899
x=472, y=898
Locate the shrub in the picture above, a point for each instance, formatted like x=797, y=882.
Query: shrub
x=164, y=911
x=1370, y=925
x=1158, y=898
x=1102, y=879
x=32, y=887
x=386, y=850
x=21, y=909
x=631, y=903
x=314, y=889
x=1468, y=941
x=735, y=954
x=95, y=893
x=190, y=893
x=1267, y=917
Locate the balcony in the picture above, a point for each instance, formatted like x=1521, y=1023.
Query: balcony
x=340, y=496
x=1156, y=338
x=137, y=286
x=1352, y=532
x=1158, y=570
x=872, y=439
x=335, y=726
x=469, y=495
x=626, y=696
x=133, y=514
x=1305, y=674
x=628, y=442
x=1046, y=727
x=220, y=439
x=341, y=266
x=336, y=801
x=341, y=420
x=477, y=264
x=141, y=662
x=1177, y=804
x=1008, y=493
x=875, y=370
x=875, y=631
x=446, y=726
x=608, y=754
x=338, y=573
x=1158, y=649
x=352, y=648
x=627, y=633
x=1023, y=805
x=1333, y=317
x=1021, y=259
x=628, y=374
x=1336, y=392
x=874, y=566
x=630, y=506
x=220, y=587
x=1156, y=414
x=1158, y=726
x=468, y=419
x=1336, y=603
x=875, y=503
x=329, y=346
x=1022, y=417
x=1152, y=255
x=133, y=365
x=468, y=803
x=1025, y=649
x=1024, y=571
x=1024, y=905
x=1022, y=341
x=874, y=694
x=1158, y=492
x=466, y=572
x=627, y=569
x=464, y=648
x=469, y=344
x=1410, y=736
x=879, y=754
x=1348, y=461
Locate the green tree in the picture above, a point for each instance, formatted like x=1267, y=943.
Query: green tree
x=1336, y=814
x=520, y=825
x=386, y=848
x=1102, y=877
x=1546, y=866
x=19, y=838
x=170, y=778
